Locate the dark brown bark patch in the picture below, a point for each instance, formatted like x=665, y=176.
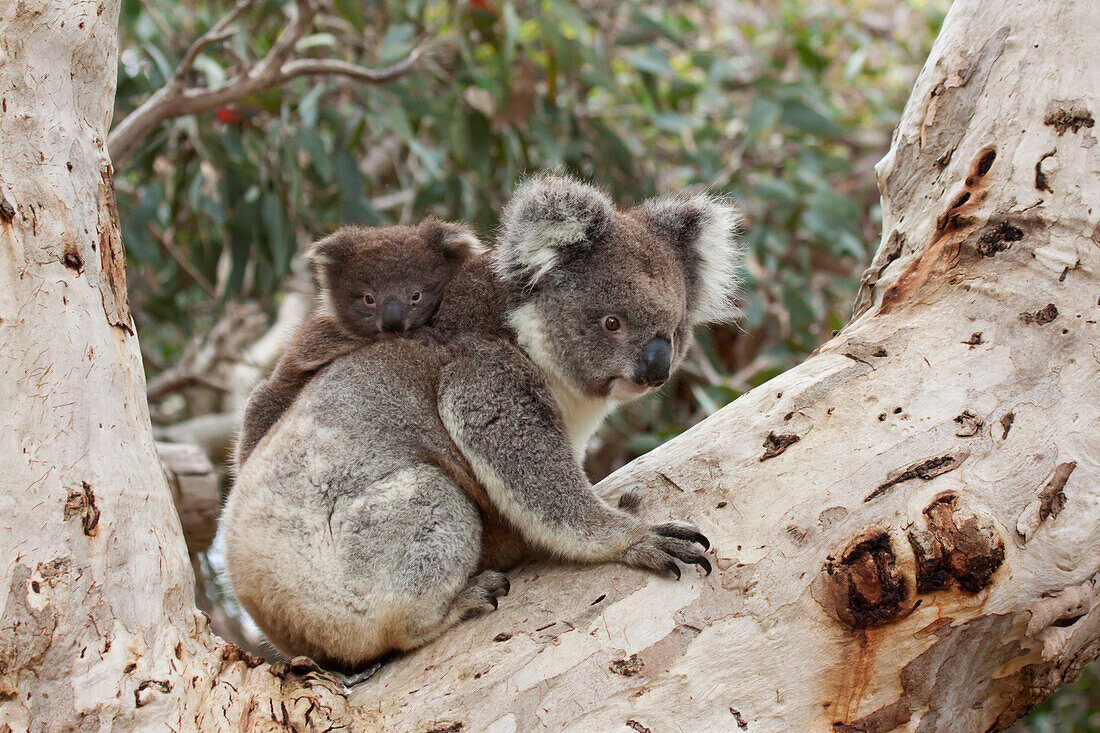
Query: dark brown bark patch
x=997, y=237
x=969, y=424
x=231, y=654
x=1006, y=423
x=776, y=444
x=1052, y=498
x=81, y=503
x=868, y=587
x=1041, y=317
x=73, y=261
x=147, y=691
x=112, y=258
x=1072, y=119
x=1041, y=182
x=7, y=211
x=927, y=469
x=628, y=667
x=956, y=547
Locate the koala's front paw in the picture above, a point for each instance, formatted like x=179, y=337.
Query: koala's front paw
x=482, y=593
x=666, y=543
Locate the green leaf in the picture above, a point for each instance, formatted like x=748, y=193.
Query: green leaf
x=275, y=225
x=801, y=116
x=396, y=44
x=651, y=61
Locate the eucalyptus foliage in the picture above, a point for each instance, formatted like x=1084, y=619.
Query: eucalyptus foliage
x=784, y=106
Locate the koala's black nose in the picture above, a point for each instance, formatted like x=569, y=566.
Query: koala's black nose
x=653, y=369
x=392, y=316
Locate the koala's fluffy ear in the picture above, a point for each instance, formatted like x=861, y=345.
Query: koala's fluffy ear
x=334, y=248
x=705, y=229
x=456, y=240
x=549, y=219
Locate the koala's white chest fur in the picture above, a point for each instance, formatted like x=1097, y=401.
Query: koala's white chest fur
x=582, y=414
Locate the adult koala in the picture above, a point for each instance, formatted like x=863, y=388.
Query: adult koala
x=361, y=520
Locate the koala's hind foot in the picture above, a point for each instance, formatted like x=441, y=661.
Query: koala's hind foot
x=481, y=595
x=477, y=598
x=666, y=543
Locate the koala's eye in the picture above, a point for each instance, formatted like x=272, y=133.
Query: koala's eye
x=612, y=324
x=416, y=296
x=368, y=299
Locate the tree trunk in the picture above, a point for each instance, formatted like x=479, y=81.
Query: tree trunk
x=905, y=526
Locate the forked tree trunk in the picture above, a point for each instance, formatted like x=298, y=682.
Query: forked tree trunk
x=906, y=526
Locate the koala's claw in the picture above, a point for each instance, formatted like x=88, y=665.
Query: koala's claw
x=682, y=531
x=672, y=567
x=666, y=544
x=482, y=594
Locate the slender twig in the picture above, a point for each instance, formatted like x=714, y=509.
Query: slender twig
x=176, y=99
x=219, y=32
x=164, y=239
x=332, y=67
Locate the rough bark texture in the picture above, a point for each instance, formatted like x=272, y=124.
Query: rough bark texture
x=98, y=628
x=905, y=525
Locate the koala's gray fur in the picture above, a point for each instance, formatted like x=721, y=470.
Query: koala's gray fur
x=378, y=511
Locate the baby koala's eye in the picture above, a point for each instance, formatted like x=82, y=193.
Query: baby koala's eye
x=416, y=296
x=368, y=299
x=612, y=324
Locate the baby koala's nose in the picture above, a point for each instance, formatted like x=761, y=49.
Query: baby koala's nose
x=393, y=316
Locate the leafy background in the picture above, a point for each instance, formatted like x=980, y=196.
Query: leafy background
x=783, y=105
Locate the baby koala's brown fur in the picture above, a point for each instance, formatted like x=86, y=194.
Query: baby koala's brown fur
x=373, y=281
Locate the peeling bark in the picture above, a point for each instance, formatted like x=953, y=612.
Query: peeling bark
x=954, y=599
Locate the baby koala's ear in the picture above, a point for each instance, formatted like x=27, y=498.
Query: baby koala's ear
x=704, y=231
x=549, y=220
x=456, y=240
x=334, y=249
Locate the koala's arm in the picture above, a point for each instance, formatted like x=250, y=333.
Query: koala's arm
x=319, y=341
x=502, y=416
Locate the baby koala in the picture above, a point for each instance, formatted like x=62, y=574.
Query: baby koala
x=373, y=281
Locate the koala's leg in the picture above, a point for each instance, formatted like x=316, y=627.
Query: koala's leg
x=501, y=414
x=412, y=548
x=361, y=569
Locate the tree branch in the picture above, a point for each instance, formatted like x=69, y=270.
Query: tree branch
x=197, y=364
x=176, y=99
x=332, y=67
